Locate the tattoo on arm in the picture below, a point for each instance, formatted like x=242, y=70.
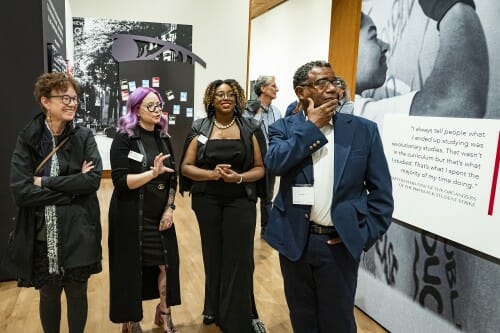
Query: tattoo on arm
x=171, y=197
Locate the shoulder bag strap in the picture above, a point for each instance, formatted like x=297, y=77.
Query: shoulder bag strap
x=42, y=163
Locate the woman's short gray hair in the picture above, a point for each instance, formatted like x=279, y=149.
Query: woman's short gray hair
x=262, y=81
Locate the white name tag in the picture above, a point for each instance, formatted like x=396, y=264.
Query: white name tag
x=303, y=195
x=203, y=139
x=135, y=156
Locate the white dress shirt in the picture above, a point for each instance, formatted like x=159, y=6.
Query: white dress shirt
x=323, y=179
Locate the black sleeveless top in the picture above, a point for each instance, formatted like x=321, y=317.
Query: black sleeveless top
x=224, y=151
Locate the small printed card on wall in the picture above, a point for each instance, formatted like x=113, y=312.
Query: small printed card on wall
x=189, y=112
x=170, y=95
x=156, y=82
x=176, y=109
x=123, y=85
x=145, y=83
x=131, y=85
x=125, y=95
x=184, y=96
x=171, y=120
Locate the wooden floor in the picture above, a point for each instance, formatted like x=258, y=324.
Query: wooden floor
x=19, y=306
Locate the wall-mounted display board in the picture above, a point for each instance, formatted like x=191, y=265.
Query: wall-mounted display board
x=175, y=83
x=435, y=96
x=28, y=28
x=102, y=98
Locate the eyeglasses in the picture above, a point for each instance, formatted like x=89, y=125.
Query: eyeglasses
x=66, y=99
x=225, y=95
x=154, y=107
x=323, y=83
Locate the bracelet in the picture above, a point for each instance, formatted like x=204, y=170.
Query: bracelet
x=241, y=180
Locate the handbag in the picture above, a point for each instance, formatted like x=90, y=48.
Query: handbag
x=42, y=163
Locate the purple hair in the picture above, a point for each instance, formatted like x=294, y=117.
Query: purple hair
x=128, y=122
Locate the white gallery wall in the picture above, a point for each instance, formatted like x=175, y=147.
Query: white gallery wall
x=286, y=37
x=220, y=32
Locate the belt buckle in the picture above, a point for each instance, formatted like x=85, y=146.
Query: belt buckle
x=321, y=230
x=161, y=187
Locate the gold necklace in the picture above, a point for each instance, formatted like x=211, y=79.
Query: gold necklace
x=223, y=127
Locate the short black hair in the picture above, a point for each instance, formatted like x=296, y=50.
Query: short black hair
x=301, y=74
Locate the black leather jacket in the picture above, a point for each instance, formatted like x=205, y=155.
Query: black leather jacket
x=248, y=128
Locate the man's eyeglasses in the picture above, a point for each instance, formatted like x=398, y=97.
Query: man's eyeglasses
x=323, y=83
x=154, y=107
x=66, y=99
x=225, y=95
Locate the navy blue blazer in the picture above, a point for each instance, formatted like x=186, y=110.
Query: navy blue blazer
x=362, y=192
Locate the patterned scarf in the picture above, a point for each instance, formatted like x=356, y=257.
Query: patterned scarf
x=51, y=218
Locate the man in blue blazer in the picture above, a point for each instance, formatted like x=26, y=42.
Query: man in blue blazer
x=334, y=201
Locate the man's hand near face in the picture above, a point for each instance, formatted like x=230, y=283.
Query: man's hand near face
x=322, y=114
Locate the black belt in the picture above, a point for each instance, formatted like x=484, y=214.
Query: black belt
x=318, y=229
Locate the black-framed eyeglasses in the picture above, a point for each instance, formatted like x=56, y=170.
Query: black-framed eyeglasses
x=323, y=83
x=154, y=107
x=225, y=95
x=66, y=99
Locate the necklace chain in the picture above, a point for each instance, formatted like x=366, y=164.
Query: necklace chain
x=51, y=130
x=222, y=127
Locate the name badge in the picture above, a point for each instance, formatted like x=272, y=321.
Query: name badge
x=303, y=194
x=135, y=156
x=203, y=139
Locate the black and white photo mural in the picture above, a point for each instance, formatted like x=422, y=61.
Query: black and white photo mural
x=105, y=89
x=429, y=74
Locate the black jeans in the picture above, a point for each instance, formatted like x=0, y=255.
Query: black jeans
x=50, y=306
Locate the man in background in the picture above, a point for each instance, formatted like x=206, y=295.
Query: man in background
x=265, y=113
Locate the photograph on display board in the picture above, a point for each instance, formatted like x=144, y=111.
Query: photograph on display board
x=429, y=76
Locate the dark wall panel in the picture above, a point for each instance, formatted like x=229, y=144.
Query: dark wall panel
x=22, y=61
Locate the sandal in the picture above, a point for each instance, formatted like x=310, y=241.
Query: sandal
x=162, y=318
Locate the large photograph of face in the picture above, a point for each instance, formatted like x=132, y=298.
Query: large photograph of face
x=447, y=56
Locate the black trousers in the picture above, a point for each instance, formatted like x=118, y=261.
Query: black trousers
x=227, y=228
x=320, y=288
x=50, y=306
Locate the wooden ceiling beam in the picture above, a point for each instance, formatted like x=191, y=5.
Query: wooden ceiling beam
x=259, y=7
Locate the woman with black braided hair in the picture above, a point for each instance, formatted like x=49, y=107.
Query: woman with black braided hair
x=223, y=169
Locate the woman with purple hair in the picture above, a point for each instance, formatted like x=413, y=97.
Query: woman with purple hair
x=143, y=252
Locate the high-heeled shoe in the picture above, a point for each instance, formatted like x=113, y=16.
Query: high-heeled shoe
x=131, y=327
x=208, y=319
x=162, y=318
